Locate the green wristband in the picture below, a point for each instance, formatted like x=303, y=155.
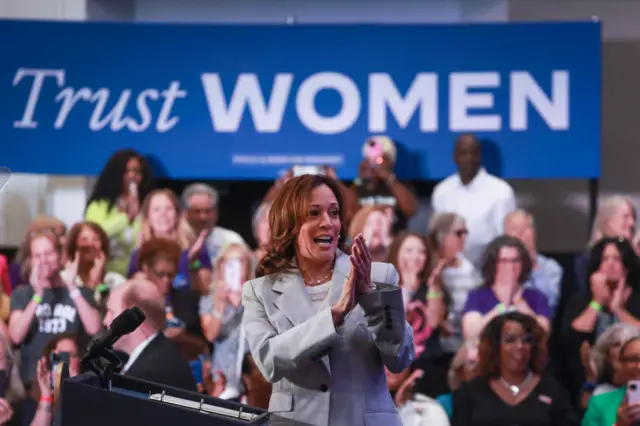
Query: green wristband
x=102, y=288
x=37, y=298
x=595, y=306
x=195, y=265
x=434, y=294
x=501, y=308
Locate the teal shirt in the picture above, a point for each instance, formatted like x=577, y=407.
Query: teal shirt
x=446, y=400
x=603, y=409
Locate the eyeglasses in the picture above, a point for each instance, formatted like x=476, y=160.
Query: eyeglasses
x=164, y=274
x=512, y=260
x=630, y=359
x=525, y=339
x=460, y=232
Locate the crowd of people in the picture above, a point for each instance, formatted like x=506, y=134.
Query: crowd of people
x=499, y=340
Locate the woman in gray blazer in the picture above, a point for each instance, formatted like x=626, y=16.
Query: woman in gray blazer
x=322, y=324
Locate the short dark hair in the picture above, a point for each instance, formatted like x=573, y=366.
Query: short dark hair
x=627, y=255
x=492, y=255
x=491, y=339
x=158, y=248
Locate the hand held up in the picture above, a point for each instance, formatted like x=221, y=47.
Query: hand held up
x=347, y=299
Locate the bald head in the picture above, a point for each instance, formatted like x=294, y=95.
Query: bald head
x=141, y=293
x=519, y=224
x=467, y=156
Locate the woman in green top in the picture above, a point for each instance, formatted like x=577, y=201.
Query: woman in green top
x=115, y=204
x=611, y=408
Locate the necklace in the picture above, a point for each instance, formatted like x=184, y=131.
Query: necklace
x=319, y=281
x=515, y=390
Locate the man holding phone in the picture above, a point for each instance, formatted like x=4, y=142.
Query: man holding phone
x=377, y=183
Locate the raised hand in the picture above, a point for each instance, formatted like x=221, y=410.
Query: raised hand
x=43, y=375
x=36, y=280
x=617, y=298
x=433, y=280
x=70, y=271
x=195, y=249
x=347, y=300
x=361, y=261
x=97, y=270
x=599, y=289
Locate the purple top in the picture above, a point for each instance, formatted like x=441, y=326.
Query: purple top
x=483, y=300
x=182, y=279
x=15, y=275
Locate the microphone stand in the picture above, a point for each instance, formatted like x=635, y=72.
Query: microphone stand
x=104, y=363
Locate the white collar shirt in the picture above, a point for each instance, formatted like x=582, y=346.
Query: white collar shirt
x=483, y=203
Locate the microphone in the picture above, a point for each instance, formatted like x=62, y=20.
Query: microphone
x=123, y=324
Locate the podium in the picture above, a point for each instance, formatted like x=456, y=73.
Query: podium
x=133, y=402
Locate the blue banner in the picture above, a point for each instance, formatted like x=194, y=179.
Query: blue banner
x=246, y=102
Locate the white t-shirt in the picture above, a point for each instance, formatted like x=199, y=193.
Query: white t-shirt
x=319, y=295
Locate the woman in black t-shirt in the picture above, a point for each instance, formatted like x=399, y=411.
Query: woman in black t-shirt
x=511, y=388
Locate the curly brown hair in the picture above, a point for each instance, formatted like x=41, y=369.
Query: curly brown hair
x=72, y=238
x=158, y=248
x=491, y=341
x=287, y=215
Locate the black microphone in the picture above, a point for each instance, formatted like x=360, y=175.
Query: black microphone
x=123, y=324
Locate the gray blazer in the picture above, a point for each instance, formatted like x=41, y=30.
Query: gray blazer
x=322, y=375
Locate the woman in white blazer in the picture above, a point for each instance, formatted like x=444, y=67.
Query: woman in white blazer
x=322, y=324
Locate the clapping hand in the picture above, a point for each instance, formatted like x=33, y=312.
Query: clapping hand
x=195, y=249
x=43, y=374
x=35, y=279
x=599, y=289
x=617, y=298
x=97, y=270
x=361, y=262
x=70, y=271
x=432, y=281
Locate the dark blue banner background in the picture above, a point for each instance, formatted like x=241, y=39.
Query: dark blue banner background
x=532, y=91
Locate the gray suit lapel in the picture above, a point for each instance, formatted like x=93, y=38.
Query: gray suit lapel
x=293, y=301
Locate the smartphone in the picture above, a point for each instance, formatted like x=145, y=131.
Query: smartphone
x=57, y=360
x=196, y=370
x=307, y=170
x=373, y=152
x=233, y=274
x=633, y=392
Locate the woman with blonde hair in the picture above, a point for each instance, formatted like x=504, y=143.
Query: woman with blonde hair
x=221, y=315
x=616, y=217
x=161, y=218
x=39, y=224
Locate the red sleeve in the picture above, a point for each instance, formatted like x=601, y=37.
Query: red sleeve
x=4, y=275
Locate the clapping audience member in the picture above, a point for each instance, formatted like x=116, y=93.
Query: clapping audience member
x=506, y=268
x=511, y=387
x=416, y=408
x=377, y=185
x=613, y=408
x=445, y=239
x=161, y=219
x=38, y=225
x=158, y=260
x=221, y=315
x=613, y=297
x=152, y=356
x=61, y=349
x=5, y=279
x=51, y=305
x=260, y=228
x=546, y=273
x=482, y=199
x=616, y=217
x=201, y=207
x=602, y=363
x=89, y=244
x=115, y=202
x=375, y=227
x=422, y=292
